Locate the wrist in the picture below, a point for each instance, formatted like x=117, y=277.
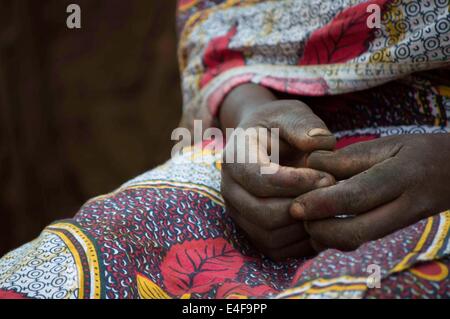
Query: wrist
x=241, y=102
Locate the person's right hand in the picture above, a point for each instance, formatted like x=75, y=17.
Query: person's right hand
x=259, y=203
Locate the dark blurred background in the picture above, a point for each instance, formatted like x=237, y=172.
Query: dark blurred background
x=81, y=111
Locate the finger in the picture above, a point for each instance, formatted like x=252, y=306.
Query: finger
x=268, y=213
x=284, y=182
x=354, y=159
x=281, y=182
x=378, y=185
x=267, y=240
x=350, y=233
x=297, y=250
x=303, y=129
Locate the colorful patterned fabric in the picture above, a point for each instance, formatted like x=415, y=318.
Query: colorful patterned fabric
x=307, y=47
x=166, y=234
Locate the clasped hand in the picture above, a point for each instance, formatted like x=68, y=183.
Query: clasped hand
x=385, y=185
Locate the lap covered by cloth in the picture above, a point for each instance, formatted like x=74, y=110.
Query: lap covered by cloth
x=166, y=234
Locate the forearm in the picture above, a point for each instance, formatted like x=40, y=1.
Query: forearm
x=241, y=101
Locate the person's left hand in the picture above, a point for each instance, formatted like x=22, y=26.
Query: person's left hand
x=386, y=184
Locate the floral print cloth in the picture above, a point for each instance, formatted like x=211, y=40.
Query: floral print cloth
x=166, y=234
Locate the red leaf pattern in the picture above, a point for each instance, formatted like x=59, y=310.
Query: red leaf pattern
x=11, y=295
x=343, y=39
x=219, y=58
x=194, y=266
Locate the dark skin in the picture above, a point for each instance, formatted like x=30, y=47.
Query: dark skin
x=259, y=204
x=386, y=184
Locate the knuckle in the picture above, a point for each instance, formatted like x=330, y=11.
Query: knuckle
x=301, y=107
x=309, y=119
x=251, y=181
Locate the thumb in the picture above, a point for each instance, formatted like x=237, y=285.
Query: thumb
x=355, y=158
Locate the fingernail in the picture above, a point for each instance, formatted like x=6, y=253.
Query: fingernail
x=298, y=210
x=318, y=132
x=324, y=182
